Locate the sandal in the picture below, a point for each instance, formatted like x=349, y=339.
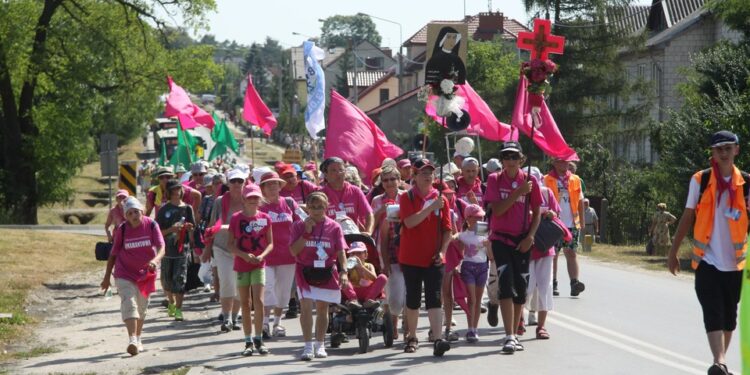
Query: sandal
x=541, y=334
x=412, y=344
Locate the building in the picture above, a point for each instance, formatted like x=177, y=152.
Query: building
x=676, y=30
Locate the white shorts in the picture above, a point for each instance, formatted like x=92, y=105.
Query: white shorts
x=279, y=281
x=320, y=294
x=540, y=278
x=395, y=290
x=133, y=305
x=224, y=261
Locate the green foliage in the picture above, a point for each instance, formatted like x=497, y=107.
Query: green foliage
x=338, y=31
x=735, y=13
x=70, y=72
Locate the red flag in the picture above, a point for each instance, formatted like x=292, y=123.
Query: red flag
x=255, y=111
x=180, y=105
x=547, y=136
x=483, y=121
x=352, y=136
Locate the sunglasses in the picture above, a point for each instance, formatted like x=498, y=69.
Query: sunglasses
x=511, y=156
x=236, y=181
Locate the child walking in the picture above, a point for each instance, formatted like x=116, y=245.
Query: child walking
x=474, y=266
x=251, y=240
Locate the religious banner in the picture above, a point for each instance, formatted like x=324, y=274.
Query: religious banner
x=539, y=68
x=316, y=99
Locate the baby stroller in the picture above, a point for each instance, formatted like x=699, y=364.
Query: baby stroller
x=360, y=322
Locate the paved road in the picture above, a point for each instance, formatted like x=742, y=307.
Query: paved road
x=627, y=322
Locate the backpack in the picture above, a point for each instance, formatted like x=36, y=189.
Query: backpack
x=706, y=176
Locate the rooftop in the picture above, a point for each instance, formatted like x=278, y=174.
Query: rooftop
x=366, y=78
x=511, y=28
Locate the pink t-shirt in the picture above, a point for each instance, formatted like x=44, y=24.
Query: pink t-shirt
x=139, y=247
x=250, y=235
x=549, y=203
x=464, y=188
x=192, y=184
x=282, y=217
x=327, y=236
x=117, y=215
x=296, y=193
x=499, y=187
x=350, y=200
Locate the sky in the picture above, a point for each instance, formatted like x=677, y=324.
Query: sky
x=248, y=21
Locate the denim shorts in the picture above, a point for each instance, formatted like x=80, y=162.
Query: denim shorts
x=475, y=273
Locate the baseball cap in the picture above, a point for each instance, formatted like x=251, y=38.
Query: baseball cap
x=473, y=210
x=443, y=187
x=132, y=202
x=404, y=163
x=469, y=161
x=286, y=168
x=251, y=190
x=422, y=164
x=536, y=173
x=492, y=165
x=356, y=247
x=122, y=193
x=271, y=177
x=724, y=137
x=511, y=146
x=173, y=184
x=236, y=173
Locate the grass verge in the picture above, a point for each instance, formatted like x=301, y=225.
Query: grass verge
x=22, y=252
x=636, y=255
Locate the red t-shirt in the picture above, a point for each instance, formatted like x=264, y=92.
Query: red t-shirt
x=419, y=244
x=464, y=188
x=250, y=237
x=499, y=187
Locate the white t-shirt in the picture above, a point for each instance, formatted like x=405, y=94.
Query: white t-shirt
x=720, y=251
x=474, y=249
x=566, y=213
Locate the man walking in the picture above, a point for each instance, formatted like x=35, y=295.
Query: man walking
x=568, y=191
x=716, y=208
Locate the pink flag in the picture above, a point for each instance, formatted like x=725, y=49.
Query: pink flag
x=255, y=111
x=547, y=136
x=180, y=105
x=483, y=121
x=352, y=136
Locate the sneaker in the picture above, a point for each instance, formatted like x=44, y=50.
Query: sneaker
x=220, y=317
x=266, y=331
x=509, y=345
x=718, y=369
x=236, y=327
x=555, y=292
x=450, y=335
x=227, y=326
x=139, y=345
x=307, y=354
x=482, y=309
x=133, y=346
x=441, y=346
x=279, y=331
x=492, y=318
x=471, y=337
x=320, y=351
x=248, y=349
x=576, y=287
x=532, y=319
x=521, y=328
x=171, y=310
x=262, y=350
x=178, y=315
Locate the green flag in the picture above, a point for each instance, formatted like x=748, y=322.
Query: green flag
x=745, y=320
x=163, y=156
x=185, y=152
x=224, y=140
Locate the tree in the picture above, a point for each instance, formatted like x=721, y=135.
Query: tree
x=342, y=31
x=70, y=70
x=346, y=64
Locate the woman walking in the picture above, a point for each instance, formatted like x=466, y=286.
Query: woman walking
x=136, y=252
x=318, y=244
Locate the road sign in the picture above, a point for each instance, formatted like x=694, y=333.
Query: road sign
x=128, y=177
x=108, y=155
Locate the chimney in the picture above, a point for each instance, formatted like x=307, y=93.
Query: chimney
x=387, y=51
x=490, y=25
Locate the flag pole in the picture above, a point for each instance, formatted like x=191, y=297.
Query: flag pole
x=181, y=132
x=252, y=145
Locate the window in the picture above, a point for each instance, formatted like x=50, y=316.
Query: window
x=384, y=95
x=641, y=71
x=374, y=63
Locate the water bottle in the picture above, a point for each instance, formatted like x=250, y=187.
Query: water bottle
x=351, y=263
x=108, y=294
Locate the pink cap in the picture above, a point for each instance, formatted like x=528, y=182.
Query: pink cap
x=473, y=210
x=404, y=163
x=251, y=190
x=356, y=247
x=122, y=193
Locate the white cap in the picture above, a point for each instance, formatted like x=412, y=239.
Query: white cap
x=132, y=202
x=259, y=172
x=492, y=165
x=236, y=173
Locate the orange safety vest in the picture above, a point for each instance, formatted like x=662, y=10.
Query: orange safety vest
x=574, y=192
x=704, y=220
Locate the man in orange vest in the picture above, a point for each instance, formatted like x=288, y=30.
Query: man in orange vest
x=716, y=208
x=568, y=191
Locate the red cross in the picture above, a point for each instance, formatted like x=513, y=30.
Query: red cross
x=541, y=43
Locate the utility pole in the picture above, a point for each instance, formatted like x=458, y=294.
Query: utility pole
x=353, y=48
